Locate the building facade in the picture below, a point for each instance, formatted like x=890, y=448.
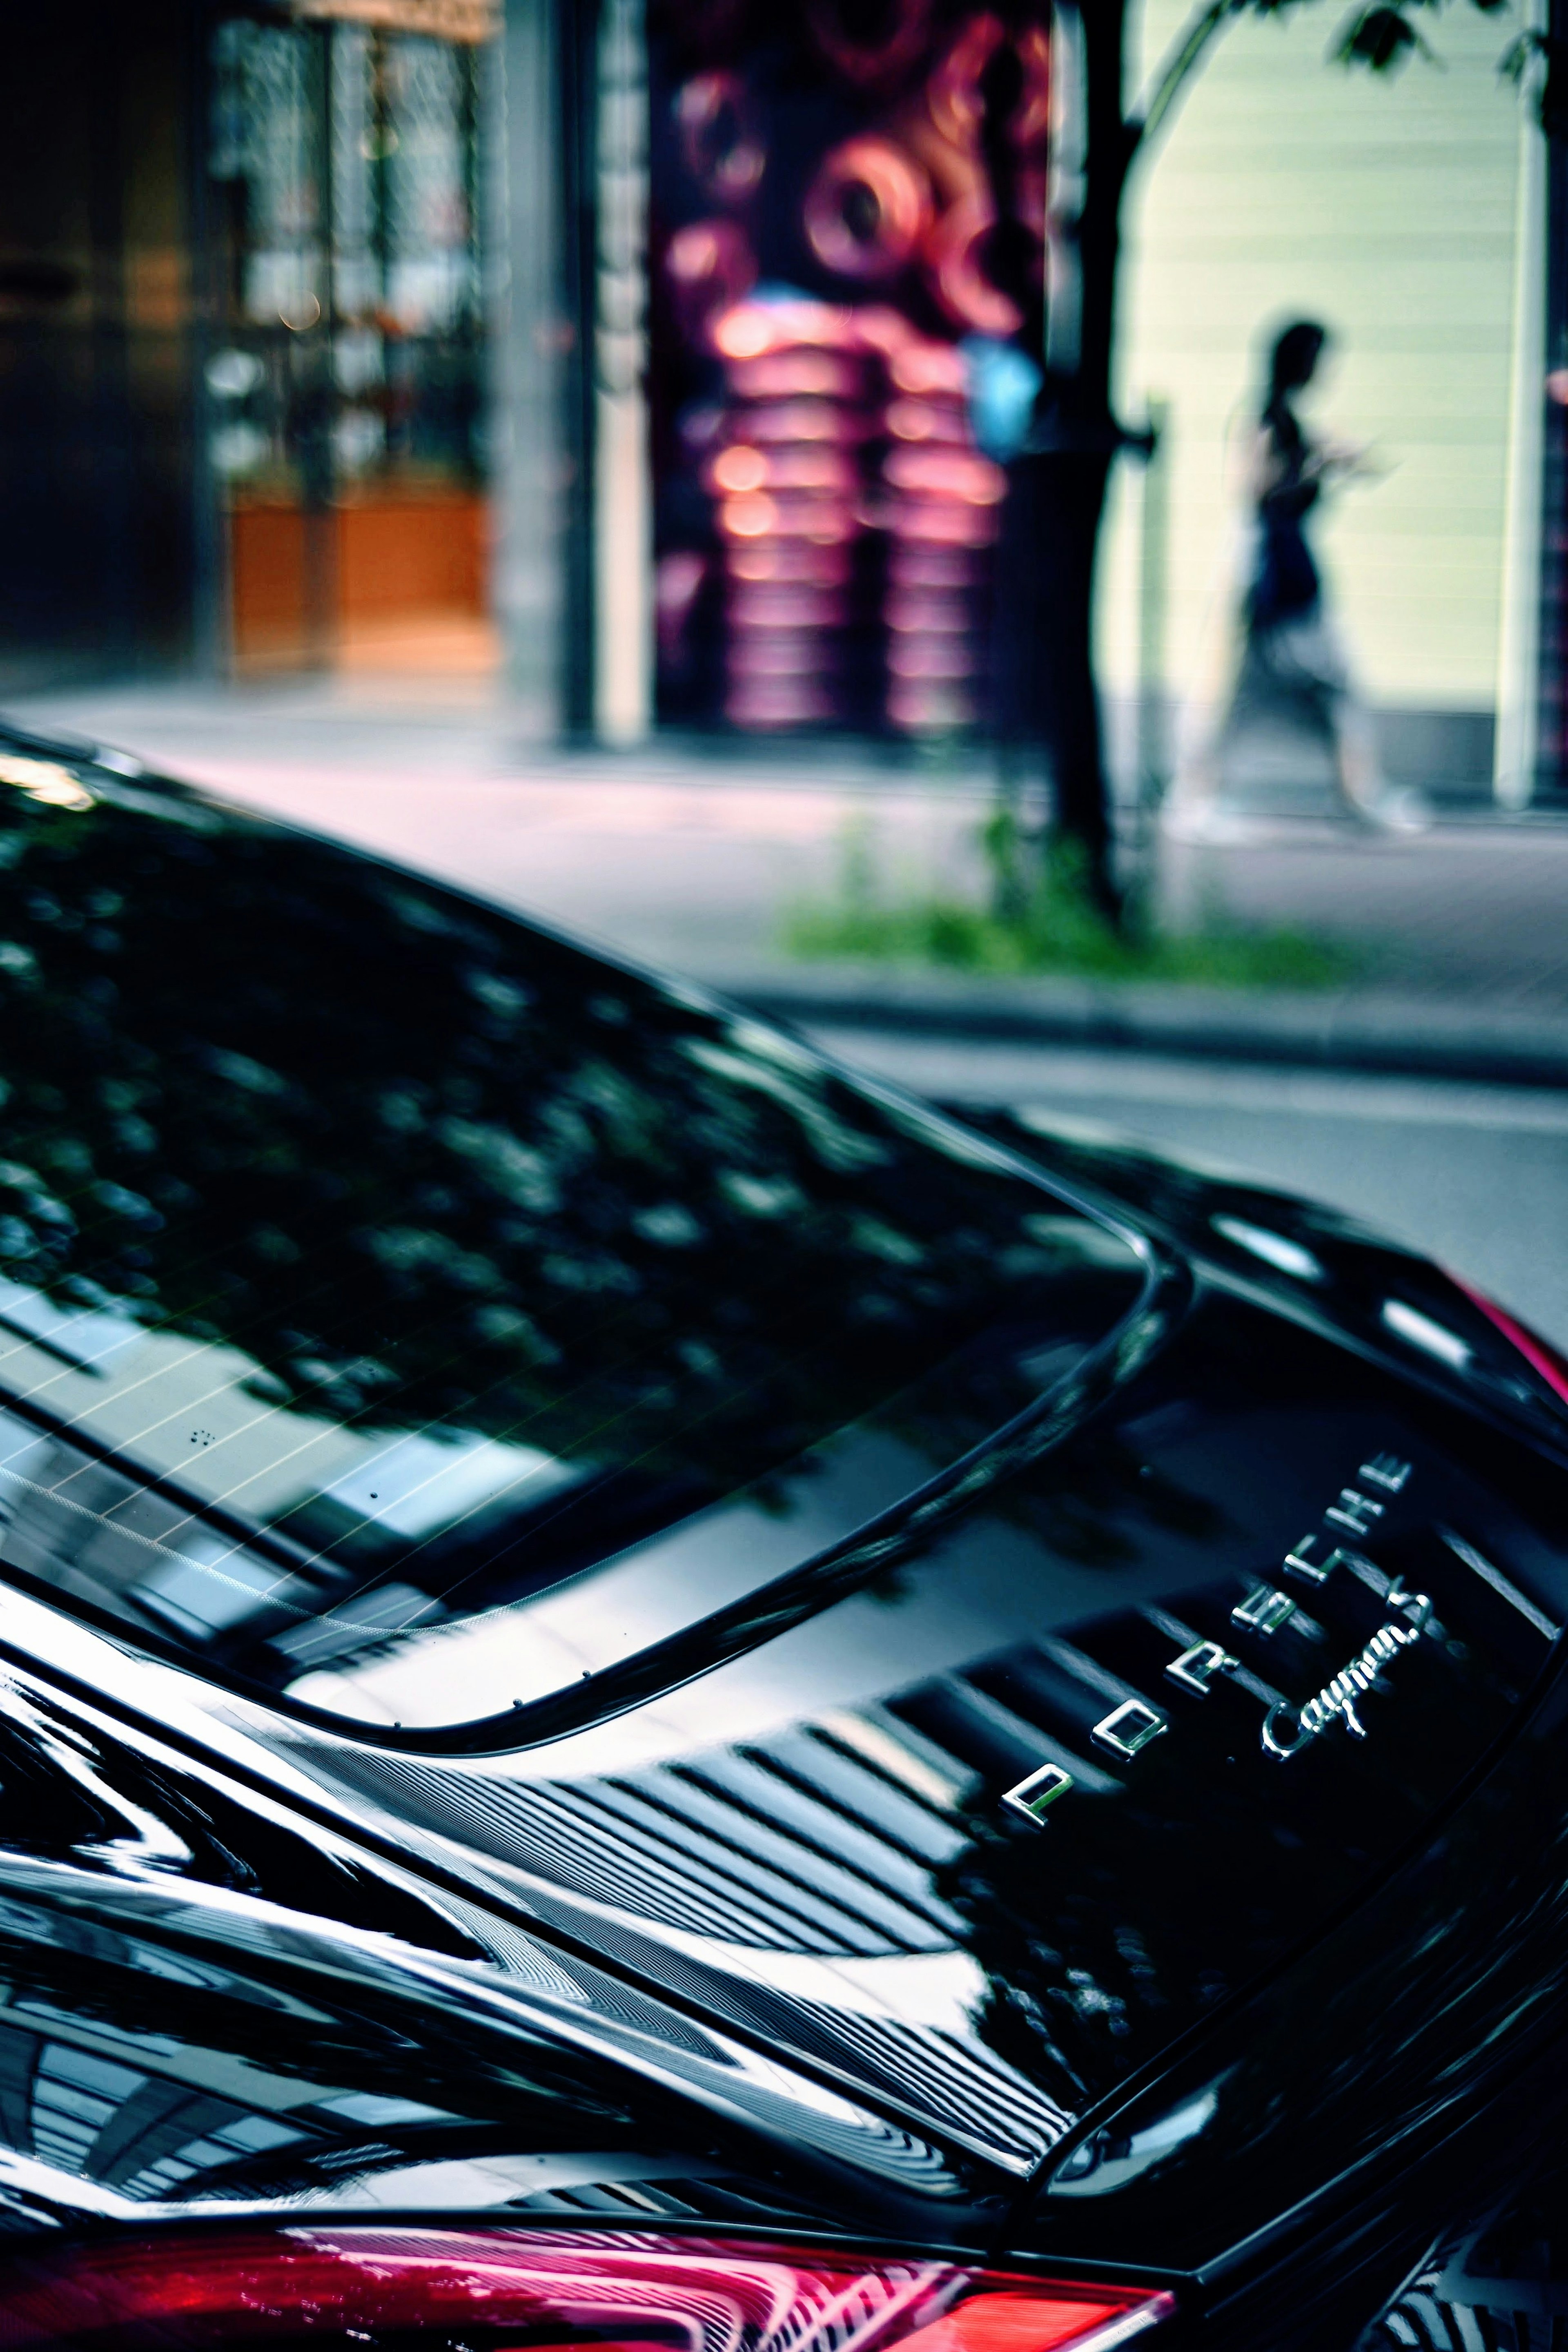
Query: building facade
x=101, y=563
x=1407, y=213
x=630, y=352
x=243, y=396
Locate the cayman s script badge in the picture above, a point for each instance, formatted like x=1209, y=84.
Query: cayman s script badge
x=1287, y=1730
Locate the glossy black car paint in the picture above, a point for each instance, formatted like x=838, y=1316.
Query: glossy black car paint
x=738, y=1930
x=435, y=1262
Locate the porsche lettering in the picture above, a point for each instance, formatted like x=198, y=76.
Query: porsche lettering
x=1265, y=1611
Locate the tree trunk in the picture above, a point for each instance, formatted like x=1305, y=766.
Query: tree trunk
x=1055, y=503
x=1071, y=468
x=1072, y=498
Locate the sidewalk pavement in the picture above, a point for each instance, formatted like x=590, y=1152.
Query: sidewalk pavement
x=690, y=859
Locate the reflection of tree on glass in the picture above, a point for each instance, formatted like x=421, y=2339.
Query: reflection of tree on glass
x=443, y=1257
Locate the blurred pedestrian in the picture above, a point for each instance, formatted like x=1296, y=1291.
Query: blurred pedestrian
x=1287, y=654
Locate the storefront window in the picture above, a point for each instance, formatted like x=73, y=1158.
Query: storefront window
x=345, y=395
x=848, y=219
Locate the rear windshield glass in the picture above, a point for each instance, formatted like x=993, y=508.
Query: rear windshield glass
x=371, y=1263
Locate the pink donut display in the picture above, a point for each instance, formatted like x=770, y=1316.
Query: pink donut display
x=827, y=194
x=872, y=63
x=719, y=144
x=956, y=251
x=868, y=209
x=786, y=476
x=953, y=92
x=709, y=265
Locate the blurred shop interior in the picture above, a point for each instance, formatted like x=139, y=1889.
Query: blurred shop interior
x=344, y=391
x=242, y=407
x=648, y=361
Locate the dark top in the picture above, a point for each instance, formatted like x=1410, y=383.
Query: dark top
x=1286, y=585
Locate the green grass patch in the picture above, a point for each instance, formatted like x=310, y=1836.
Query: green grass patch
x=1042, y=920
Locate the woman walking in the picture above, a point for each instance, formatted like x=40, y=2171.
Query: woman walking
x=1292, y=655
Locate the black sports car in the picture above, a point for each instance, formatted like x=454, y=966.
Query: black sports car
x=653, y=1697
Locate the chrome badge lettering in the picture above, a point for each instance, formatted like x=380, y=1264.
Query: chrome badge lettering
x=1287, y=1730
x=1034, y=1797
x=1195, y=1668
x=1129, y=1728
x=1263, y=1613
x=1354, y=1511
x=1264, y=1610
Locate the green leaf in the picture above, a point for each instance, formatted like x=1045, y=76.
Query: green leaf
x=1381, y=37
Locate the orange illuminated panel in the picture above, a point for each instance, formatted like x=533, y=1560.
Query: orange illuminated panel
x=389, y=577
x=267, y=585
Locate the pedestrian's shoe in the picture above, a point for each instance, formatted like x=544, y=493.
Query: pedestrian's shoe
x=1396, y=808
x=1188, y=817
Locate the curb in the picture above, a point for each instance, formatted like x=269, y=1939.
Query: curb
x=1356, y=1030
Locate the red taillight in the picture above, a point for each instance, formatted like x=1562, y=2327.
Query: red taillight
x=523, y=2291
x=1538, y=1353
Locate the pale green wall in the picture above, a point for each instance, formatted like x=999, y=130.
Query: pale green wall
x=1387, y=208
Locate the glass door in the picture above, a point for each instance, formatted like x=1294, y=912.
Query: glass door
x=345, y=388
